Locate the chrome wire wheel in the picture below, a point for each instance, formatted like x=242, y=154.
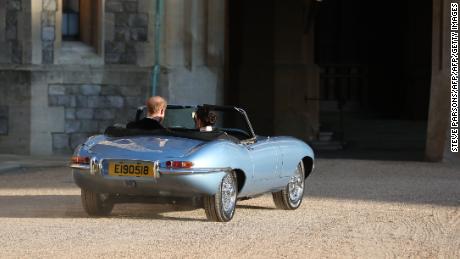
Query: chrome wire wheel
x=221, y=206
x=296, y=186
x=291, y=196
x=228, y=191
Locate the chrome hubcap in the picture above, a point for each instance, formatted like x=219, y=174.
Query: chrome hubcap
x=296, y=185
x=228, y=194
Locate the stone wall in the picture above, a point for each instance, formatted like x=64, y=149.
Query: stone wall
x=128, y=21
x=11, y=19
x=192, y=51
x=50, y=107
x=3, y=120
x=90, y=107
x=48, y=30
x=14, y=111
x=46, y=111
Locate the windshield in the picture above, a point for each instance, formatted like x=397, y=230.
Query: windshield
x=229, y=120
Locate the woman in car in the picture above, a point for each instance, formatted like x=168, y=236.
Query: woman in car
x=204, y=119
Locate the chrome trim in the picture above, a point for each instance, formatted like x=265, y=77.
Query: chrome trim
x=168, y=171
x=128, y=160
x=95, y=166
x=80, y=166
x=245, y=115
x=156, y=169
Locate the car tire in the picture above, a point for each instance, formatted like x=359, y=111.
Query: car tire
x=221, y=206
x=291, y=196
x=95, y=204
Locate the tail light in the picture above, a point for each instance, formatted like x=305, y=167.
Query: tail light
x=81, y=160
x=179, y=164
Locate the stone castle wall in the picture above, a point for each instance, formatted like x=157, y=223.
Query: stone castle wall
x=48, y=32
x=14, y=111
x=90, y=104
x=12, y=14
x=128, y=22
x=50, y=103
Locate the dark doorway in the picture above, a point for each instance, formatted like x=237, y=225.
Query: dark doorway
x=250, y=56
x=375, y=63
x=375, y=80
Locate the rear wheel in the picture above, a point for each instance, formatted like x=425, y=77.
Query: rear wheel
x=221, y=206
x=291, y=196
x=96, y=204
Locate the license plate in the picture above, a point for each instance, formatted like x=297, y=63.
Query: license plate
x=131, y=169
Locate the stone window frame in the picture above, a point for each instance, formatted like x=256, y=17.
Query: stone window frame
x=58, y=44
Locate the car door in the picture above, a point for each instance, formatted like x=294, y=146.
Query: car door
x=264, y=157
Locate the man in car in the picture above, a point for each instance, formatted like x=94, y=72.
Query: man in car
x=156, y=107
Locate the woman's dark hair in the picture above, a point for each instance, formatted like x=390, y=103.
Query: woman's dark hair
x=207, y=117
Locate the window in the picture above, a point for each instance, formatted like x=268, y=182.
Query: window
x=70, y=20
x=81, y=29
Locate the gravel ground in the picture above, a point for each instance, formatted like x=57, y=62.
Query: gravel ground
x=352, y=208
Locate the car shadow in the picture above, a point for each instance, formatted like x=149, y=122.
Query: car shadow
x=69, y=206
x=385, y=181
x=252, y=207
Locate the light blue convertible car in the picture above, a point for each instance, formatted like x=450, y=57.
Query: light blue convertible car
x=212, y=169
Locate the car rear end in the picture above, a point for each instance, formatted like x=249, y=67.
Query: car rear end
x=143, y=166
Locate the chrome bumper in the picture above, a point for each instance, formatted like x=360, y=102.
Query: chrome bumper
x=170, y=183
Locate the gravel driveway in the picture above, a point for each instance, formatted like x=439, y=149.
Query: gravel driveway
x=352, y=209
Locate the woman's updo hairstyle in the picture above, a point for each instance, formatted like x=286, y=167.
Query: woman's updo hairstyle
x=207, y=117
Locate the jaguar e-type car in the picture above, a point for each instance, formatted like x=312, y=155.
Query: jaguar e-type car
x=212, y=169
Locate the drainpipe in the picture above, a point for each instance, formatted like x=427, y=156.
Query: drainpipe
x=156, y=63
